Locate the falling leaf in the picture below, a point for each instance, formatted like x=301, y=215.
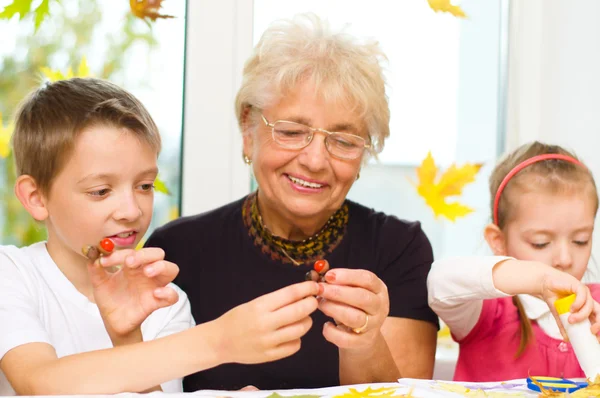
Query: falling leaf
x=450, y=183
x=23, y=8
x=446, y=6
x=160, y=186
x=369, y=393
x=41, y=13
x=173, y=213
x=147, y=9
x=83, y=70
x=5, y=134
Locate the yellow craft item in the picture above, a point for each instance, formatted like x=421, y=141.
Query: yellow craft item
x=563, y=305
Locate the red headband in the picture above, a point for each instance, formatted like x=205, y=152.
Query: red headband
x=520, y=167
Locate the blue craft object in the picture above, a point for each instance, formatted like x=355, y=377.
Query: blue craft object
x=556, y=384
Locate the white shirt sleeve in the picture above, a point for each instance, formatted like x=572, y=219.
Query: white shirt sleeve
x=19, y=311
x=167, y=321
x=457, y=287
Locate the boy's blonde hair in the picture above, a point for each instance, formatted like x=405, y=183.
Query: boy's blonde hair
x=51, y=118
x=342, y=69
x=551, y=175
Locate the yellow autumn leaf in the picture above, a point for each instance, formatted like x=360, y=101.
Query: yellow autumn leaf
x=368, y=393
x=436, y=190
x=427, y=171
x=444, y=332
x=5, y=134
x=160, y=186
x=173, y=213
x=455, y=178
x=54, y=75
x=83, y=69
x=446, y=6
x=592, y=390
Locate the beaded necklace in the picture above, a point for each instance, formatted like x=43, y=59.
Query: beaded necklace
x=294, y=252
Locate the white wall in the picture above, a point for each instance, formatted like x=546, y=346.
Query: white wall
x=554, y=89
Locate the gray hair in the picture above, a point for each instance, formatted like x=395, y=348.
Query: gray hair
x=342, y=68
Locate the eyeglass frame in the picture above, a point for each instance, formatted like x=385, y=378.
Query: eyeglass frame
x=313, y=130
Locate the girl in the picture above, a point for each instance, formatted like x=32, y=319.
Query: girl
x=544, y=203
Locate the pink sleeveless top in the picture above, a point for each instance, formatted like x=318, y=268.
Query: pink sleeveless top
x=488, y=352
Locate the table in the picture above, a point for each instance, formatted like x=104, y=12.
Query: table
x=408, y=388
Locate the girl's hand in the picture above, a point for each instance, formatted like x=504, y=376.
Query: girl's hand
x=557, y=284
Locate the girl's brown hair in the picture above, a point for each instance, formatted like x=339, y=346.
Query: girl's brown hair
x=553, y=175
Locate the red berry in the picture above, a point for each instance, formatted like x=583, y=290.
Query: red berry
x=107, y=244
x=321, y=266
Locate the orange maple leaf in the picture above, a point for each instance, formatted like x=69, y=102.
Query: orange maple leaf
x=450, y=183
x=446, y=6
x=147, y=9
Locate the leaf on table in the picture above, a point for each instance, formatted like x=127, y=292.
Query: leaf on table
x=370, y=393
x=275, y=395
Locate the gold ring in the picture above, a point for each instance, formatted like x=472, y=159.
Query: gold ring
x=363, y=327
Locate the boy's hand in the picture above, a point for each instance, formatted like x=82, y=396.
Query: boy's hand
x=126, y=297
x=269, y=327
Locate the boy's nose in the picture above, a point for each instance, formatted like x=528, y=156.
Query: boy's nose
x=128, y=209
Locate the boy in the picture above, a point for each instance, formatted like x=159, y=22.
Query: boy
x=86, y=154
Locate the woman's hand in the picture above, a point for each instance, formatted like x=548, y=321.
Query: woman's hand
x=267, y=328
x=358, y=302
x=126, y=297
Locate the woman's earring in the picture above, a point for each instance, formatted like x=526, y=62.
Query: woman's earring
x=247, y=160
x=358, y=175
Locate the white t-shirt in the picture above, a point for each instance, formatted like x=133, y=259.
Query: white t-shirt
x=38, y=304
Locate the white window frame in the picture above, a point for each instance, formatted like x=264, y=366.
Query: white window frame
x=218, y=42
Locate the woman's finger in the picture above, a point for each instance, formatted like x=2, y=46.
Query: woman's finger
x=356, y=278
x=357, y=297
x=339, y=335
x=351, y=317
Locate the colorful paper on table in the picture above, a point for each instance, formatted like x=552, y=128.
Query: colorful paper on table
x=554, y=383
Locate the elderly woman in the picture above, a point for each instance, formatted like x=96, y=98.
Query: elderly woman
x=312, y=108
